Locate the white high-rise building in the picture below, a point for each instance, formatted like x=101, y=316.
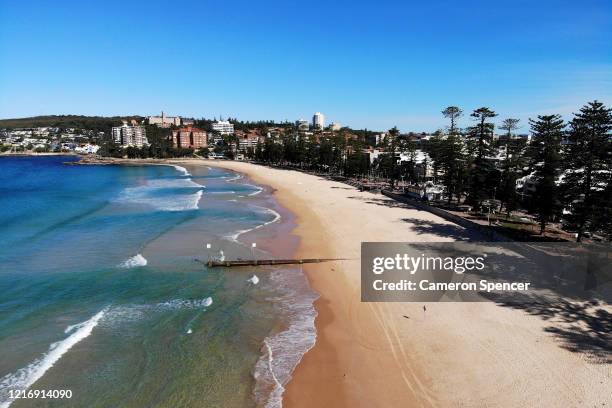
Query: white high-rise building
x=130, y=135
x=222, y=126
x=318, y=120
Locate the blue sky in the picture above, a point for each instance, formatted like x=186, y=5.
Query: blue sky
x=363, y=64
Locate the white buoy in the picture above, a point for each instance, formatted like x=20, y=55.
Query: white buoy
x=253, y=279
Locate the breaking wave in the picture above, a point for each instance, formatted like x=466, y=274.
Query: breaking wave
x=133, y=262
x=182, y=170
x=277, y=217
x=147, y=195
x=166, y=194
x=23, y=378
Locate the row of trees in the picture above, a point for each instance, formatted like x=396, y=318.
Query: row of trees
x=568, y=166
x=335, y=154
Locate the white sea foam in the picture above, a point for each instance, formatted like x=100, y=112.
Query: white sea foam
x=259, y=190
x=142, y=195
x=275, y=399
x=24, y=377
x=133, y=262
x=120, y=317
x=236, y=177
x=253, y=279
x=117, y=315
x=173, y=183
x=182, y=170
x=149, y=194
x=277, y=217
x=176, y=304
x=282, y=351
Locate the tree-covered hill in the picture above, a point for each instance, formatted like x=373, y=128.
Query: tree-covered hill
x=98, y=123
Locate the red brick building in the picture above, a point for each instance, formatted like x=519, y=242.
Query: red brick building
x=189, y=138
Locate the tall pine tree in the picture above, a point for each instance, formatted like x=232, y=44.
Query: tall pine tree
x=588, y=167
x=452, y=157
x=393, y=147
x=511, y=168
x=453, y=113
x=480, y=148
x=546, y=161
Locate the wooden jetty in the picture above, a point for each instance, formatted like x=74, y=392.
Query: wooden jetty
x=258, y=262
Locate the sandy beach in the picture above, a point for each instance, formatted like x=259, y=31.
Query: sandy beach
x=395, y=354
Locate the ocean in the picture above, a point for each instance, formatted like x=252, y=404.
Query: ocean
x=101, y=294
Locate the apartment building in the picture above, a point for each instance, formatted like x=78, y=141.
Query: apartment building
x=130, y=135
x=222, y=126
x=189, y=138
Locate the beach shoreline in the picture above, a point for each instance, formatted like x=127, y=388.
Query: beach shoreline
x=395, y=354
x=370, y=354
x=320, y=378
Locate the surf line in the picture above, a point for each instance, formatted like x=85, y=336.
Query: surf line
x=25, y=377
x=277, y=217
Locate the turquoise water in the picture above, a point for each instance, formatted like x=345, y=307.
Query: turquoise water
x=100, y=293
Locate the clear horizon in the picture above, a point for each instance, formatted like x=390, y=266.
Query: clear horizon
x=363, y=66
